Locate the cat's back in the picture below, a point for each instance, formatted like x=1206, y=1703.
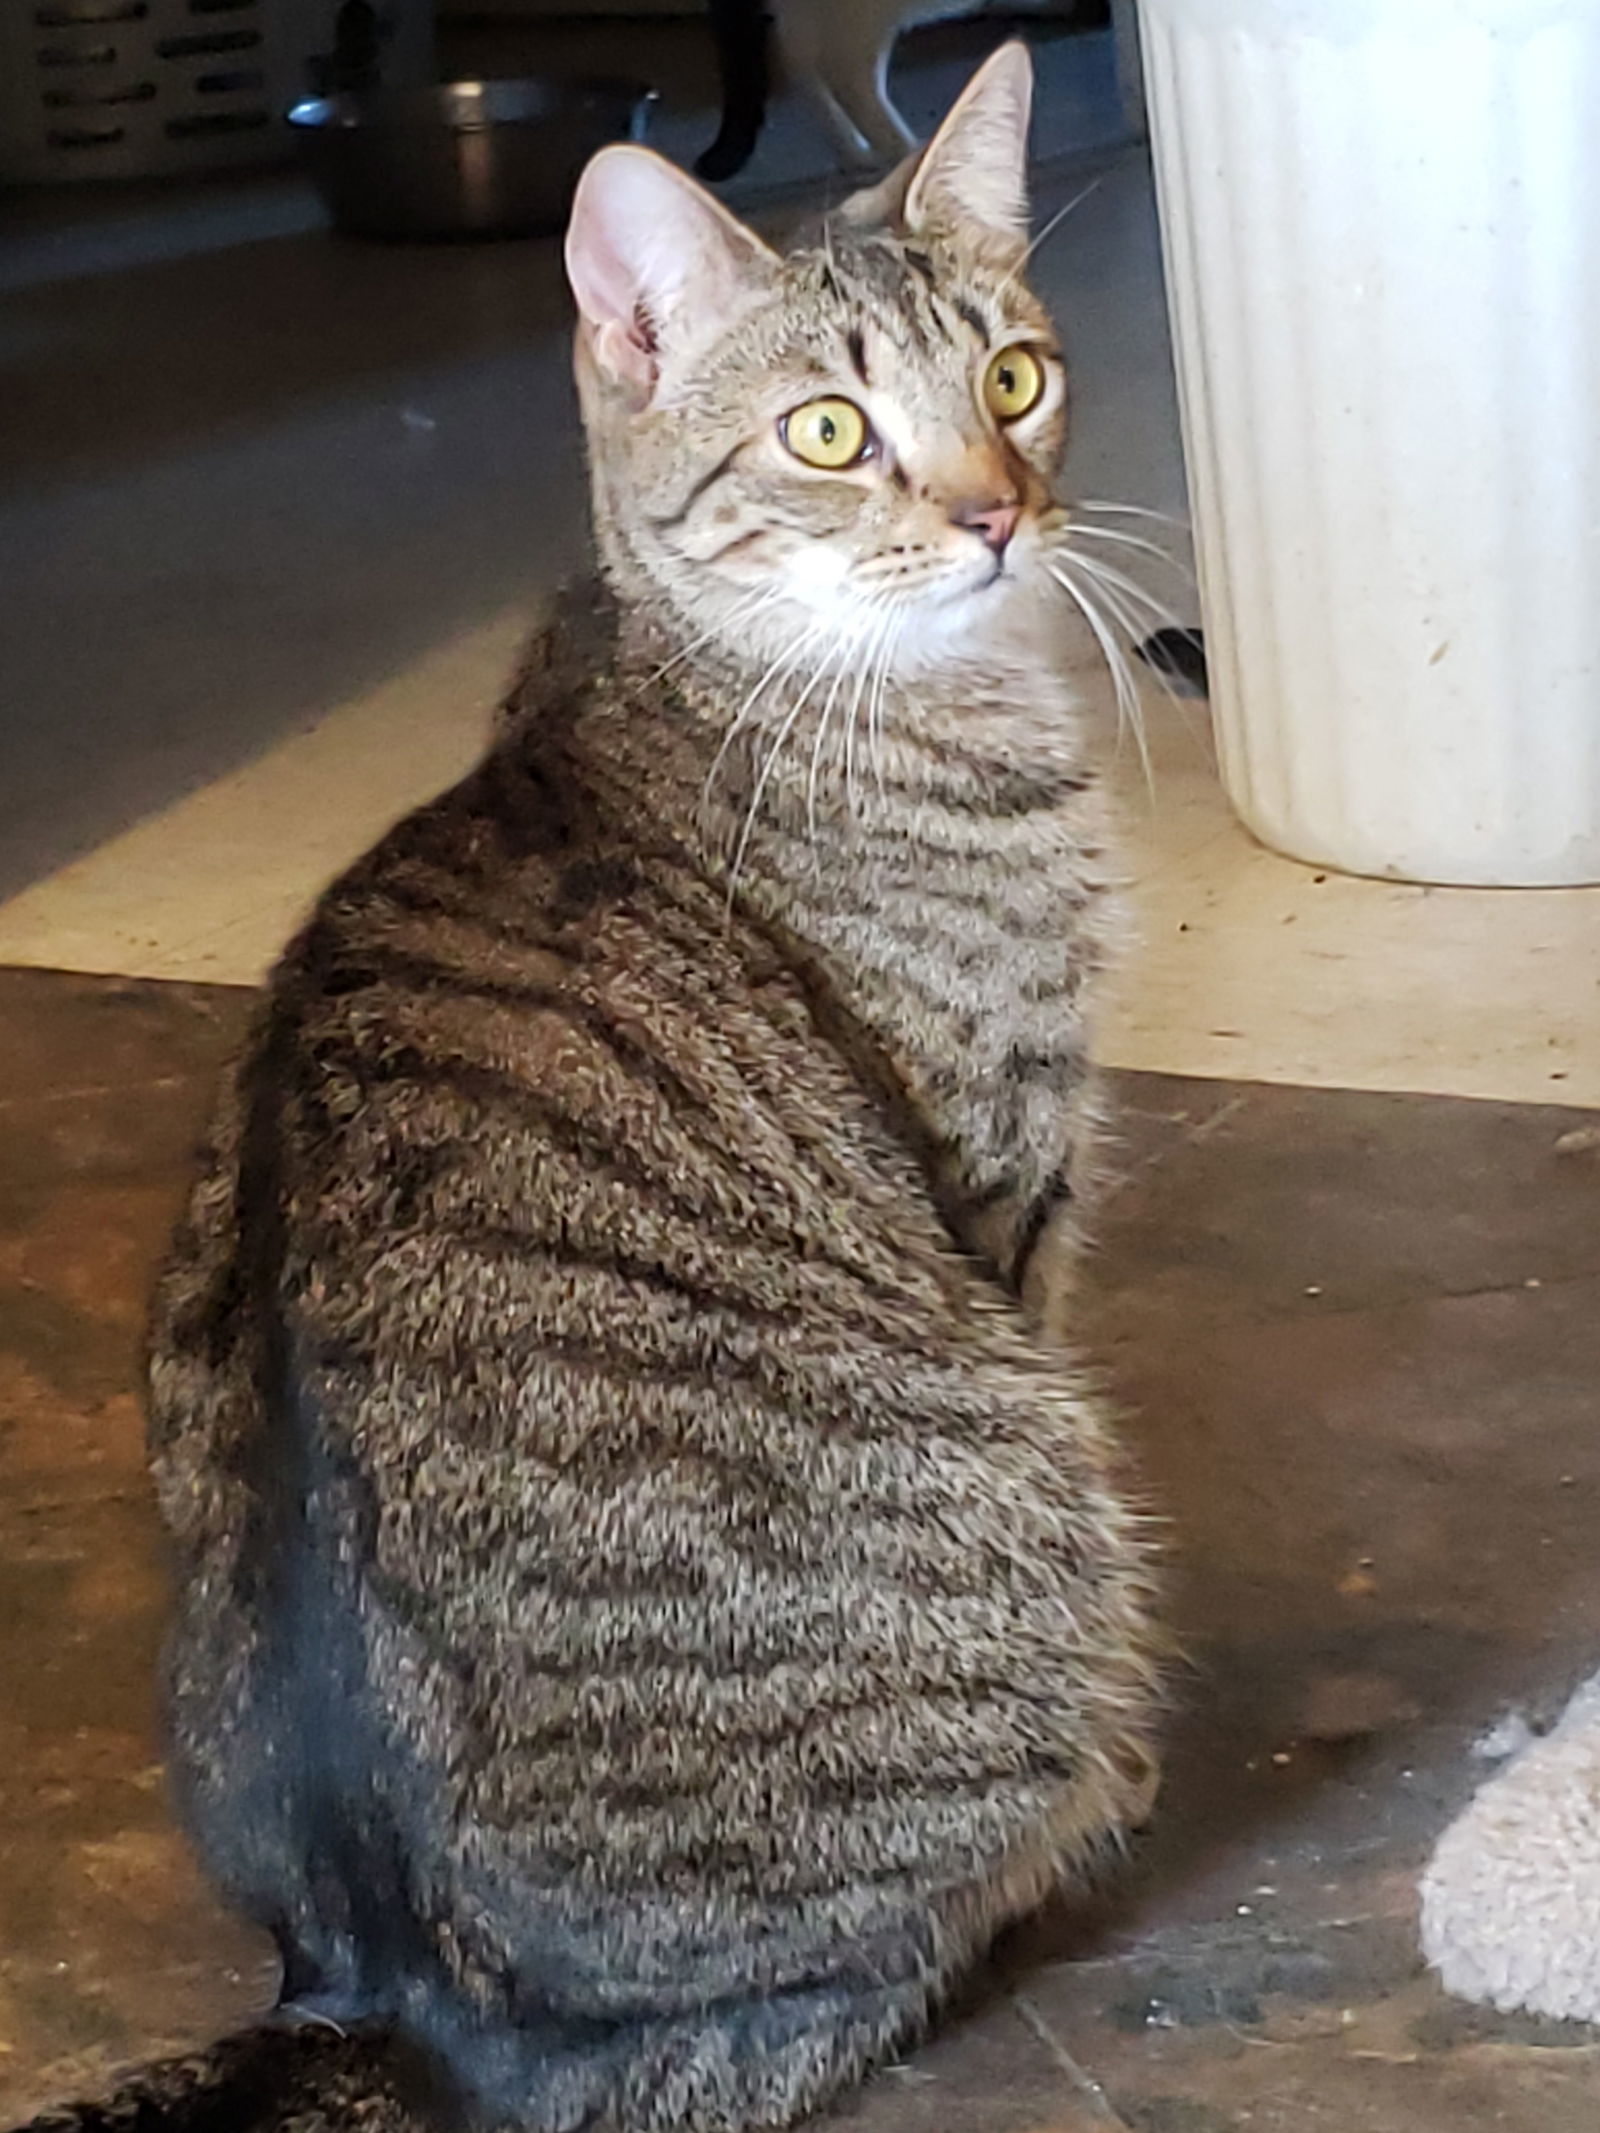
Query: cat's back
x=518, y=1073
x=523, y=1029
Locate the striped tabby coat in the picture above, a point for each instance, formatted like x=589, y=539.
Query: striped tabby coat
x=650, y=1609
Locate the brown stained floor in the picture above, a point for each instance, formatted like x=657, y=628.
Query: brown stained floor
x=1359, y=1337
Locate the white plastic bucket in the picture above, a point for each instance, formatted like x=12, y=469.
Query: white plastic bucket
x=1381, y=222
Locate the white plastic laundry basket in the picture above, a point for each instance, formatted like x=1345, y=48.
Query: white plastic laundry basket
x=1381, y=221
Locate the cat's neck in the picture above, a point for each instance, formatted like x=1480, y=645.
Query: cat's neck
x=990, y=728
x=782, y=789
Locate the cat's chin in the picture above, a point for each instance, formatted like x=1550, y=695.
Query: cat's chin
x=973, y=610
x=1007, y=624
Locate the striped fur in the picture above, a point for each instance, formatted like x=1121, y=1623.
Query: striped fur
x=651, y=1610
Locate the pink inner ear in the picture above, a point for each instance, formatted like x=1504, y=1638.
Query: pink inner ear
x=600, y=271
x=603, y=268
x=623, y=356
x=652, y=260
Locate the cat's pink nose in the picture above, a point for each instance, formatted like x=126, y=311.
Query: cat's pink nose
x=994, y=523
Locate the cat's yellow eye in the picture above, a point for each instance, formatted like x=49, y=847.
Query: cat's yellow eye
x=827, y=433
x=1013, y=385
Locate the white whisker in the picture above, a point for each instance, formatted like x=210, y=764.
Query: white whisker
x=1133, y=540
x=780, y=742
x=1136, y=626
x=1123, y=612
x=1096, y=503
x=867, y=668
x=890, y=645
x=779, y=670
x=856, y=641
x=850, y=742
x=1136, y=595
x=1130, y=712
x=742, y=611
x=909, y=703
x=1124, y=597
x=817, y=740
x=1132, y=605
x=1052, y=226
x=1136, y=629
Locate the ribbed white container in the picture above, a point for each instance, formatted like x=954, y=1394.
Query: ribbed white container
x=1381, y=221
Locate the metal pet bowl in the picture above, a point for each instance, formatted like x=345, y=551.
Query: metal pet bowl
x=463, y=159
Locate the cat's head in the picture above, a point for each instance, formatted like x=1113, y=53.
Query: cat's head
x=857, y=437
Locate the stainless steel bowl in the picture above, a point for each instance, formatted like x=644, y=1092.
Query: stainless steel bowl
x=463, y=159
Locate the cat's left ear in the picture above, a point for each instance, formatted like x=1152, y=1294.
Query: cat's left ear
x=975, y=169
x=657, y=266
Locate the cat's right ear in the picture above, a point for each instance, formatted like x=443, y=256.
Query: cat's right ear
x=974, y=172
x=656, y=265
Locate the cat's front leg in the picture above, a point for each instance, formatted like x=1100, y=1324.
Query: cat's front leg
x=1018, y=1186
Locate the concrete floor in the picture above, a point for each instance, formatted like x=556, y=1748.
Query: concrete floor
x=275, y=511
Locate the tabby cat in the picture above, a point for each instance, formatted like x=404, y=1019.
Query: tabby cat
x=651, y=1611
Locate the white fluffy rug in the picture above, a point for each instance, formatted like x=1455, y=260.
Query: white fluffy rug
x=1511, y=1898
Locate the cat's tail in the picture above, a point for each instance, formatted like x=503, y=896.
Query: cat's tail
x=739, y=31
x=309, y=2079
